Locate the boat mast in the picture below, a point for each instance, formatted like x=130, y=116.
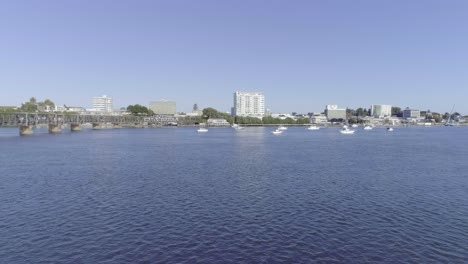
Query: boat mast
x=450, y=116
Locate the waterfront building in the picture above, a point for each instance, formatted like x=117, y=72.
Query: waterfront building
x=381, y=110
x=333, y=112
x=163, y=107
x=217, y=122
x=250, y=104
x=411, y=113
x=102, y=104
x=318, y=118
x=282, y=116
x=77, y=109
x=59, y=108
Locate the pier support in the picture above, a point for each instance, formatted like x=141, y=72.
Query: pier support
x=102, y=126
x=75, y=127
x=54, y=129
x=26, y=130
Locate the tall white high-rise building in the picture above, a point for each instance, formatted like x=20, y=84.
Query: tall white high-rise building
x=249, y=104
x=102, y=104
x=381, y=110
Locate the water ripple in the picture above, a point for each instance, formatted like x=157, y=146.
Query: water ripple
x=173, y=196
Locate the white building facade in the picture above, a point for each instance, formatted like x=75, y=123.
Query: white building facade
x=381, y=110
x=103, y=104
x=250, y=104
x=411, y=113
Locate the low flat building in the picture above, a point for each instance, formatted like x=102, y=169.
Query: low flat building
x=282, y=116
x=217, y=122
x=78, y=109
x=411, y=113
x=318, y=119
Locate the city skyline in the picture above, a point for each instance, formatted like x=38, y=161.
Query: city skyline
x=302, y=56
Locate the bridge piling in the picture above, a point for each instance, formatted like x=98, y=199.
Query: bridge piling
x=26, y=130
x=75, y=127
x=55, y=128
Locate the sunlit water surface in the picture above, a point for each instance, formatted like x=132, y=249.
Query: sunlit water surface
x=226, y=196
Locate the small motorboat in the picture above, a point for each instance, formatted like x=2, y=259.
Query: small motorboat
x=389, y=129
x=237, y=127
x=277, y=132
x=368, y=128
x=282, y=128
x=347, y=131
x=313, y=128
x=354, y=125
x=202, y=130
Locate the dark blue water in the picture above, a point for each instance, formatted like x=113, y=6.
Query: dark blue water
x=177, y=196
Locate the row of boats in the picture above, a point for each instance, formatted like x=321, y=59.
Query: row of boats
x=204, y=129
x=281, y=129
x=344, y=130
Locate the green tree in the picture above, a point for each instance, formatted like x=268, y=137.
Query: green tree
x=49, y=103
x=303, y=121
x=139, y=110
x=362, y=112
x=271, y=120
x=289, y=121
x=352, y=120
x=396, y=111
x=248, y=120
x=213, y=113
x=446, y=116
x=30, y=106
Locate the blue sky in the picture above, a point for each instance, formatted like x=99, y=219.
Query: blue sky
x=300, y=54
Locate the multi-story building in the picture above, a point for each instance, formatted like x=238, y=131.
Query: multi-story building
x=163, y=107
x=381, y=110
x=411, y=113
x=103, y=104
x=333, y=112
x=318, y=118
x=249, y=104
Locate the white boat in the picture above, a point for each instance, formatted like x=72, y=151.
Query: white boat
x=237, y=127
x=202, y=130
x=347, y=131
x=368, y=128
x=282, y=128
x=389, y=129
x=313, y=128
x=277, y=132
x=449, y=120
x=354, y=125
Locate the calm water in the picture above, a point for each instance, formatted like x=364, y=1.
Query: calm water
x=177, y=196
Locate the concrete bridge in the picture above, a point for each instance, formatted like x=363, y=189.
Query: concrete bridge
x=26, y=122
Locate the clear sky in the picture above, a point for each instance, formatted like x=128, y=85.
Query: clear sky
x=301, y=54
